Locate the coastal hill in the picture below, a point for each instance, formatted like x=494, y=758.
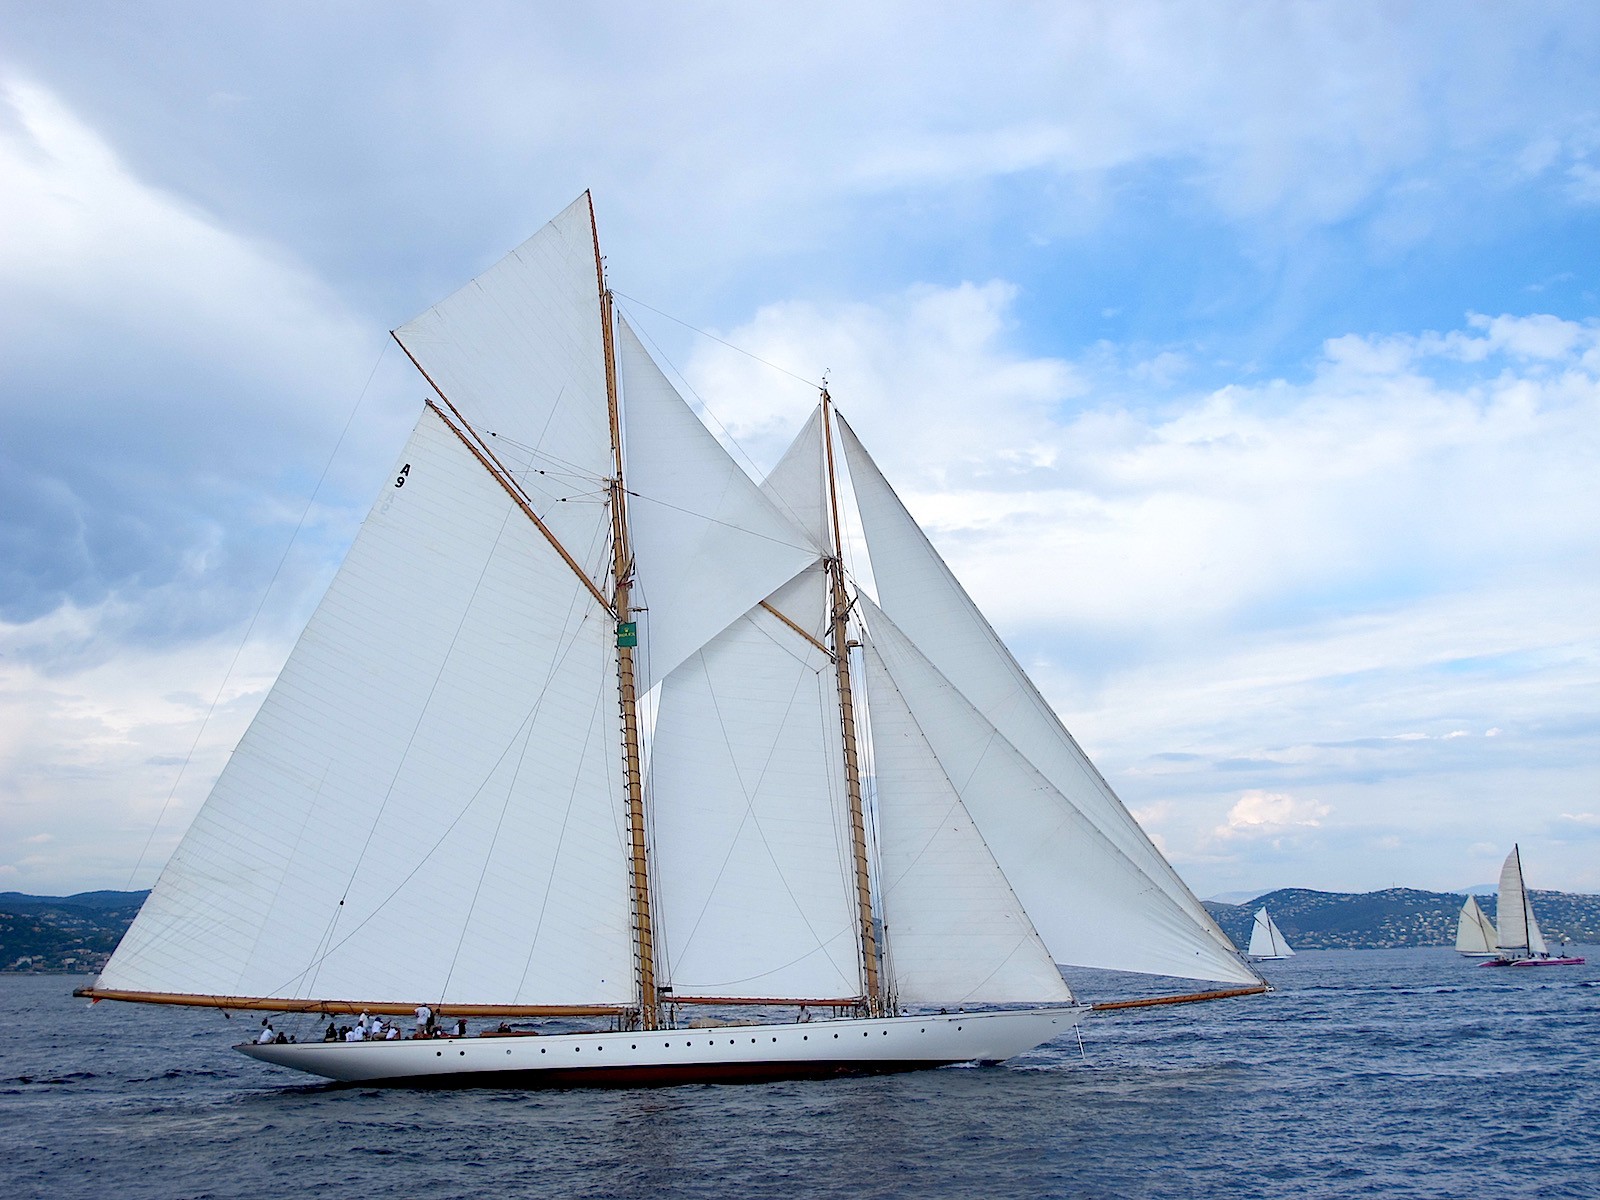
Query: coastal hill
x=1395, y=917
x=63, y=933
x=49, y=934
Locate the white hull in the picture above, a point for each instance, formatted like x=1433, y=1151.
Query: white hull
x=729, y=1054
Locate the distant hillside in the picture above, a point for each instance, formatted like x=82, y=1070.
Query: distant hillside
x=63, y=933
x=78, y=933
x=1394, y=917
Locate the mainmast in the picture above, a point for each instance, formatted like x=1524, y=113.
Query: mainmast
x=622, y=577
x=840, y=639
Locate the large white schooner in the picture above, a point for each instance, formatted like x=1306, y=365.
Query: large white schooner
x=579, y=731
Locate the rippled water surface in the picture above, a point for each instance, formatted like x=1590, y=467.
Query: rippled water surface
x=1392, y=1073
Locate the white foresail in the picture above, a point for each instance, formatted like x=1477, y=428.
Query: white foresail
x=753, y=895
x=1536, y=943
x=1092, y=905
x=1475, y=933
x=958, y=934
x=1266, y=939
x=709, y=546
x=929, y=605
x=428, y=805
x=518, y=351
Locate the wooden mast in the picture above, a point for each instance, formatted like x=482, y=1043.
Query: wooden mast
x=840, y=637
x=622, y=576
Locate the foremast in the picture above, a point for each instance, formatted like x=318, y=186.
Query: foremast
x=840, y=645
x=622, y=582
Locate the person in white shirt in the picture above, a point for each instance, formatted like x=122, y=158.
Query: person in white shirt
x=424, y=1019
x=267, y=1036
x=355, y=1035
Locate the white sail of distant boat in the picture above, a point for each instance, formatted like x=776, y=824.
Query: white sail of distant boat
x=1519, y=941
x=1475, y=933
x=1266, y=939
x=450, y=801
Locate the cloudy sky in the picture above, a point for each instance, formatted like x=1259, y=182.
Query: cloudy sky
x=1244, y=359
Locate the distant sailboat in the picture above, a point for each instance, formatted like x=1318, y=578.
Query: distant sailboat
x=1520, y=942
x=1475, y=933
x=577, y=733
x=1267, y=940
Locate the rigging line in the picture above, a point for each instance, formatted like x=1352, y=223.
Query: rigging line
x=704, y=333
x=448, y=830
x=706, y=408
x=256, y=616
x=766, y=537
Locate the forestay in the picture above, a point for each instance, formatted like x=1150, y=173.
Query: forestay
x=427, y=805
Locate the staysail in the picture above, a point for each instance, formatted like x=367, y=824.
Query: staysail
x=958, y=933
x=708, y=545
x=1092, y=905
x=934, y=613
x=1475, y=933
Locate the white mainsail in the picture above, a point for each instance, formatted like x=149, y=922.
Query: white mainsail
x=744, y=784
x=440, y=799
x=1475, y=933
x=1517, y=926
x=932, y=610
x=427, y=803
x=1266, y=939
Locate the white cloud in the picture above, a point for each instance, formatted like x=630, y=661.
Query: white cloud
x=1259, y=814
x=96, y=761
x=1330, y=582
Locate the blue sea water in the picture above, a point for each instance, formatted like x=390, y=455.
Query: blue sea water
x=1388, y=1073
